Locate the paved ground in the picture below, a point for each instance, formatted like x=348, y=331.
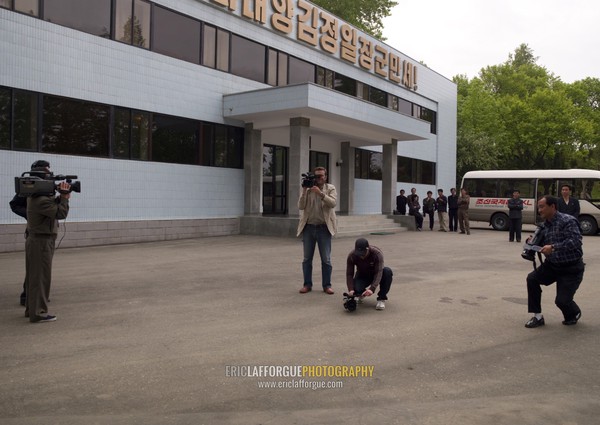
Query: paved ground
x=145, y=334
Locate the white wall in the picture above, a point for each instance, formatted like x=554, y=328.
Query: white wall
x=118, y=190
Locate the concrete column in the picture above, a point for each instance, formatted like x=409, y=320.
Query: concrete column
x=252, y=170
x=299, y=160
x=346, y=189
x=389, y=177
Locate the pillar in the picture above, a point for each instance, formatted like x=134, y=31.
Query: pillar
x=252, y=170
x=389, y=177
x=299, y=160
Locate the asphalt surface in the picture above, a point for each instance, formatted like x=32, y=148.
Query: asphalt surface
x=150, y=334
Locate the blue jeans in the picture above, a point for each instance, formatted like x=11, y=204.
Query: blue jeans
x=316, y=235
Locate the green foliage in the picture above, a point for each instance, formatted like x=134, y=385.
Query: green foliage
x=518, y=115
x=364, y=14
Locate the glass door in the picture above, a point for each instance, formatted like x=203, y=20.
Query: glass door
x=274, y=179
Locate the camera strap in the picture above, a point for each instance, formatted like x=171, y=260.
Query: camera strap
x=539, y=255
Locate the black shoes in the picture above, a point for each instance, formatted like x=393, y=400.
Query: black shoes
x=534, y=322
x=42, y=319
x=572, y=321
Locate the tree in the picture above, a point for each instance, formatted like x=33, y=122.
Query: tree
x=364, y=14
x=518, y=115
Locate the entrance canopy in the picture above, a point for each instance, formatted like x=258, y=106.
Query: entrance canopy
x=351, y=119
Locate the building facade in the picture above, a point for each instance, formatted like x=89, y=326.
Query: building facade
x=183, y=117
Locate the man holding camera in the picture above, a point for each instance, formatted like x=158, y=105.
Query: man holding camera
x=317, y=225
x=370, y=273
x=562, y=246
x=43, y=213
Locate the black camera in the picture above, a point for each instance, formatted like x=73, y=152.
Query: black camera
x=39, y=184
x=534, y=244
x=308, y=180
x=350, y=301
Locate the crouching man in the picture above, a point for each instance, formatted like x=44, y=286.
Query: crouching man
x=370, y=273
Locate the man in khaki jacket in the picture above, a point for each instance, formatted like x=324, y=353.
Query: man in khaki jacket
x=318, y=224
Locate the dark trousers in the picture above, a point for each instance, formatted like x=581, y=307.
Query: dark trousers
x=363, y=282
x=453, y=218
x=431, y=219
x=567, y=280
x=39, y=251
x=515, y=229
x=418, y=218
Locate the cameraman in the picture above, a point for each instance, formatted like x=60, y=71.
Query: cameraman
x=563, y=265
x=43, y=213
x=18, y=205
x=317, y=225
x=370, y=273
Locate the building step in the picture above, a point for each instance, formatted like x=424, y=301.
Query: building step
x=364, y=225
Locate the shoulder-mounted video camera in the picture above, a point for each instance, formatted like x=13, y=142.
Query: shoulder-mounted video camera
x=308, y=180
x=533, y=244
x=36, y=183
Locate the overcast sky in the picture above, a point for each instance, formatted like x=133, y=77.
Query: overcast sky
x=463, y=36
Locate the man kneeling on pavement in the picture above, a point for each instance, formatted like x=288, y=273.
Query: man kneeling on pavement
x=370, y=273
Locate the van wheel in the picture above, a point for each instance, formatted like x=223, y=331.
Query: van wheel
x=588, y=225
x=499, y=221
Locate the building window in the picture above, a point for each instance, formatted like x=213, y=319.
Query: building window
x=368, y=165
x=174, y=140
x=29, y=7
x=7, y=4
x=412, y=170
x=318, y=159
x=324, y=77
x=175, y=35
x=227, y=150
x=131, y=134
x=300, y=71
x=75, y=127
x=247, y=58
x=132, y=22
x=209, y=46
x=345, y=84
x=405, y=169
x=378, y=97
x=277, y=74
x=5, y=117
x=215, y=48
x=91, y=16
x=25, y=121
x=404, y=106
x=222, y=146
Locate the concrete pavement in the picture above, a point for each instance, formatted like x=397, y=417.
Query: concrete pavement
x=145, y=334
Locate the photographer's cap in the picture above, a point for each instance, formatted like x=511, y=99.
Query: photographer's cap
x=360, y=247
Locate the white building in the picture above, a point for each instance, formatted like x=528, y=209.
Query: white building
x=183, y=117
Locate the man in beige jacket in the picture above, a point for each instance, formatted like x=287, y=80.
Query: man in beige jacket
x=318, y=224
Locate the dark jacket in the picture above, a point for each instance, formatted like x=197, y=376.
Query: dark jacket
x=441, y=203
x=572, y=208
x=453, y=202
x=515, y=208
x=428, y=206
x=401, y=201
x=43, y=213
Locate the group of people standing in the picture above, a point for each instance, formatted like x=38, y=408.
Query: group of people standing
x=452, y=211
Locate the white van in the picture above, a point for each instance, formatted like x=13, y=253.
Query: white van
x=490, y=191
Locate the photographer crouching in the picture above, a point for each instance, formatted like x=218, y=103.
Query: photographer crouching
x=370, y=274
x=562, y=246
x=43, y=212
